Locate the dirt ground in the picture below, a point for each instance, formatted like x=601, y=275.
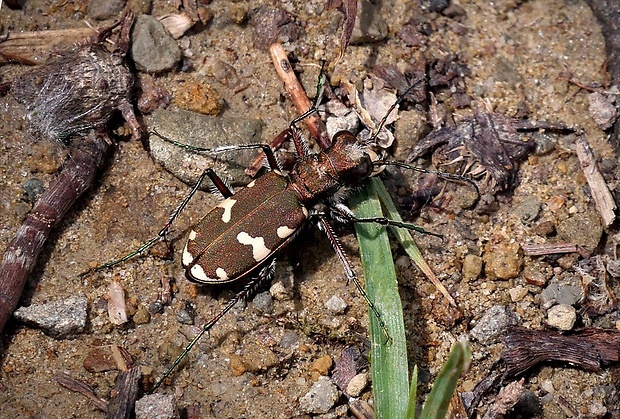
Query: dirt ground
x=517, y=53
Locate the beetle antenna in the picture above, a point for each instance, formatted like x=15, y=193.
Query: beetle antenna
x=447, y=176
x=398, y=101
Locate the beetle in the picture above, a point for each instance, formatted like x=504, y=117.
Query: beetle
x=239, y=238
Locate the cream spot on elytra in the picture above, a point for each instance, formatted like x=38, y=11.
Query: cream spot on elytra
x=227, y=204
x=259, y=250
x=221, y=274
x=283, y=232
x=199, y=274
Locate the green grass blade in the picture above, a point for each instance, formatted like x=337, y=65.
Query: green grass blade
x=413, y=394
x=389, y=368
x=406, y=241
x=438, y=400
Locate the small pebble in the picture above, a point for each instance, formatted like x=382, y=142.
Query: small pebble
x=198, y=96
x=493, y=323
x=562, y=317
x=502, y=261
x=357, y=385
x=156, y=406
x=156, y=307
x=104, y=358
x=102, y=10
x=142, y=316
x=263, y=302
x=60, y=318
x=564, y=289
x=374, y=27
x=472, y=266
x=336, y=305
x=168, y=352
x=33, y=188
x=258, y=358
x=321, y=397
x=278, y=291
x=322, y=365
x=236, y=365
x=602, y=110
x=584, y=229
x=205, y=131
x=517, y=293
x=152, y=48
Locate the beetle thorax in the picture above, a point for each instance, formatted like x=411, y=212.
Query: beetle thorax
x=344, y=163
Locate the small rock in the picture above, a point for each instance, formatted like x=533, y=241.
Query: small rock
x=263, y=302
x=438, y=6
x=102, y=10
x=257, y=358
x=493, y=324
x=142, y=316
x=156, y=406
x=336, y=305
x=237, y=367
x=562, y=290
x=528, y=209
x=278, y=291
x=203, y=131
x=186, y=314
x=238, y=13
x=369, y=24
x=60, y=319
x=534, y=276
x=357, y=385
x=272, y=24
x=517, y=293
x=33, y=188
x=156, y=307
x=502, y=261
x=321, y=397
x=602, y=110
x=584, y=229
x=289, y=339
x=322, y=365
x=562, y=317
x=152, y=48
x=472, y=266
x=198, y=96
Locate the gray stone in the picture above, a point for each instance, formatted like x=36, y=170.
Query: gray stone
x=60, y=319
x=102, y=10
x=584, y=229
x=321, y=397
x=156, y=406
x=263, y=302
x=493, y=324
x=153, y=49
x=336, y=305
x=528, y=209
x=562, y=290
x=203, y=131
x=369, y=25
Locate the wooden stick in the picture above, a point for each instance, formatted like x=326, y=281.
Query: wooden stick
x=36, y=45
x=600, y=191
x=297, y=94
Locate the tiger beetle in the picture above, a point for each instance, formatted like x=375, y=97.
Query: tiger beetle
x=238, y=239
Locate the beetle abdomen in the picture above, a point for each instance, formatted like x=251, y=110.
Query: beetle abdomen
x=239, y=235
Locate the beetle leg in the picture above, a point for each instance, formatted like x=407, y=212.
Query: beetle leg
x=324, y=226
x=162, y=233
x=271, y=158
x=342, y=213
x=252, y=285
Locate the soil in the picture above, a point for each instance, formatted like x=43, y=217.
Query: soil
x=517, y=55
